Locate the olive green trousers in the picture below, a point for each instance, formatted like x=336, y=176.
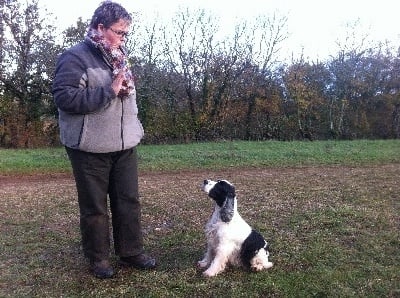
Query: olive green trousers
x=102, y=180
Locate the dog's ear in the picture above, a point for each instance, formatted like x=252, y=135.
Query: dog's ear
x=228, y=208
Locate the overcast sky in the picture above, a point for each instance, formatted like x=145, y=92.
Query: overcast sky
x=314, y=26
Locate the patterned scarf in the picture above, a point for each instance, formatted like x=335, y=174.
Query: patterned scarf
x=116, y=57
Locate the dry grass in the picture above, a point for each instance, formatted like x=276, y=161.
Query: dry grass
x=334, y=232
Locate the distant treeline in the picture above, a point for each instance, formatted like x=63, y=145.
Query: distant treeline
x=193, y=86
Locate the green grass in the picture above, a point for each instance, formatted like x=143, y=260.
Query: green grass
x=330, y=211
x=220, y=155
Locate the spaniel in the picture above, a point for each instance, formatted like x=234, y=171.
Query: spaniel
x=230, y=240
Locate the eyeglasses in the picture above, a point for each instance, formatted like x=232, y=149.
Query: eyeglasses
x=119, y=33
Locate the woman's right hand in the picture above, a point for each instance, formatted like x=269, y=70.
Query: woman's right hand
x=118, y=80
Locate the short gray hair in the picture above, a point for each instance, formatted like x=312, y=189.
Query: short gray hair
x=108, y=13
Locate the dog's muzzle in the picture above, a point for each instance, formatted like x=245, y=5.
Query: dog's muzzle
x=203, y=186
x=207, y=185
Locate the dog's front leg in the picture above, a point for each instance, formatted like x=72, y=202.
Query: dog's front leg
x=218, y=264
x=207, y=258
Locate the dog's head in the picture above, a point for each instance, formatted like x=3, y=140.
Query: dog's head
x=223, y=193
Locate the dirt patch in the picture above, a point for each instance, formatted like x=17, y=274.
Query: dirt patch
x=306, y=176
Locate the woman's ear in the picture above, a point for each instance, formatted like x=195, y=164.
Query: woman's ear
x=100, y=27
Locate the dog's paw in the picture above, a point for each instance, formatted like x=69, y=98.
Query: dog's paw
x=202, y=264
x=261, y=266
x=209, y=273
x=269, y=265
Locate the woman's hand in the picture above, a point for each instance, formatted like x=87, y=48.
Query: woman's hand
x=118, y=80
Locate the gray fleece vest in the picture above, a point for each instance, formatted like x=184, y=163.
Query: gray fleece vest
x=91, y=117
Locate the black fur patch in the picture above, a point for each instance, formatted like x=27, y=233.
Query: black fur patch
x=221, y=191
x=253, y=243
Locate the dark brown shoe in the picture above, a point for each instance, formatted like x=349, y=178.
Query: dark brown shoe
x=140, y=261
x=102, y=269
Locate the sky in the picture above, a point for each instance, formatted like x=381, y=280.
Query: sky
x=313, y=26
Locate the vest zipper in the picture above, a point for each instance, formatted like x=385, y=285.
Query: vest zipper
x=122, y=127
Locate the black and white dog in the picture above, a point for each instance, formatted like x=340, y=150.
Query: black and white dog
x=230, y=240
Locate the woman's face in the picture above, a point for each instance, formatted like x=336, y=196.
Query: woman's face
x=115, y=35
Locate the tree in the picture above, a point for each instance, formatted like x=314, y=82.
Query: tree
x=258, y=86
x=306, y=89
x=74, y=34
x=26, y=69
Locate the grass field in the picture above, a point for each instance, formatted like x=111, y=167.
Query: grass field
x=330, y=211
x=219, y=155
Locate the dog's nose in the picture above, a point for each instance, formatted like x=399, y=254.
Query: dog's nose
x=205, y=182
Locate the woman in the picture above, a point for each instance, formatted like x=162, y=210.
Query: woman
x=95, y=94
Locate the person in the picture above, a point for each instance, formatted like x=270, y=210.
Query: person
x=94, y=92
